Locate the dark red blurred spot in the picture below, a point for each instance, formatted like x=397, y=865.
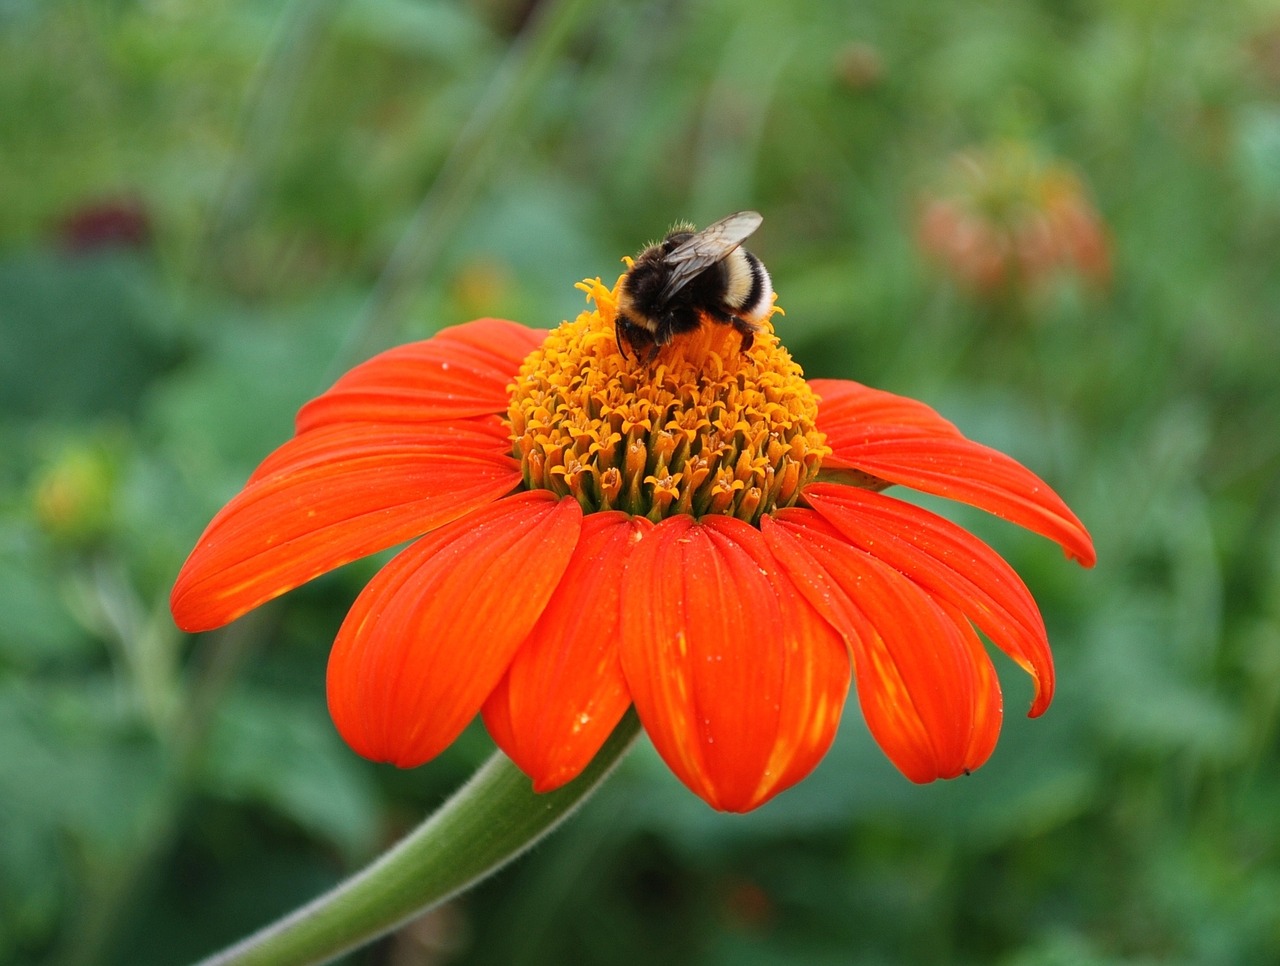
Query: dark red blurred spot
x=110, y=223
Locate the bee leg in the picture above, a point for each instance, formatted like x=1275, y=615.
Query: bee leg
x=619, y=324
x=717, y=314
x=634, y=337
x=669, y=326
x=745, y=329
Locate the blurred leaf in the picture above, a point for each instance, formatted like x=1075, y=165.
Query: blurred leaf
x=79, y=335
x=445, y=31
x=284, y=754
x=1257, y=154
x=37, y=628
x=80, y=783
x=1150, y=703
x=228, y=410
x=75, y=758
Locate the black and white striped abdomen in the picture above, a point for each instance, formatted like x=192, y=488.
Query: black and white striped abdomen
x=748, y=289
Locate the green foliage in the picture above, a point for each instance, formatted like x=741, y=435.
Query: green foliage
x=161, y=796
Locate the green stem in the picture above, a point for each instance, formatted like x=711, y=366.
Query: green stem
x=488, y=822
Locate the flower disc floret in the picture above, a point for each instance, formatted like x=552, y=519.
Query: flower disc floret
x=703, y=428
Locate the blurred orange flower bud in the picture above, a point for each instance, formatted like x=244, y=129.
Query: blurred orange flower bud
x=1006, y=221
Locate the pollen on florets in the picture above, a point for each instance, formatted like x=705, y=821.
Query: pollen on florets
x=703, y=428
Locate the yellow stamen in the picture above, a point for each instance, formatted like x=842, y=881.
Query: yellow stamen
x=703, y=428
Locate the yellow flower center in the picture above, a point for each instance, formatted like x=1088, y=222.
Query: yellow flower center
x=702, y=428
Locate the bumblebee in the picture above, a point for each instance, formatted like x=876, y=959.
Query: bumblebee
x=690, y=276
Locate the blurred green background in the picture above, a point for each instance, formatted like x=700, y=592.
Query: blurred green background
x=207, y=210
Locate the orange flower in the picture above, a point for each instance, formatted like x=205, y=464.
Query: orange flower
x=703, y=536
x=1009, y=221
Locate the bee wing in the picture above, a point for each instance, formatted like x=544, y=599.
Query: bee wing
x=706, y=248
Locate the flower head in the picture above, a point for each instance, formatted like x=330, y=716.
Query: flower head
x=704, y=536
x=1009, y=221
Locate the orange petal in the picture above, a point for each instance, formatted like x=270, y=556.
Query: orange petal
x=848, y=411
x=952, y=565
x=564, y=691
x=435, y=630
x=904, y=441
x=461, y=371
x=926, y=686
x=737, y=679
x=988, y=703
x=963, y=470
x=330, y=498
x=483, y=436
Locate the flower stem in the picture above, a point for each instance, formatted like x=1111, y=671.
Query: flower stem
x=488, y=822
